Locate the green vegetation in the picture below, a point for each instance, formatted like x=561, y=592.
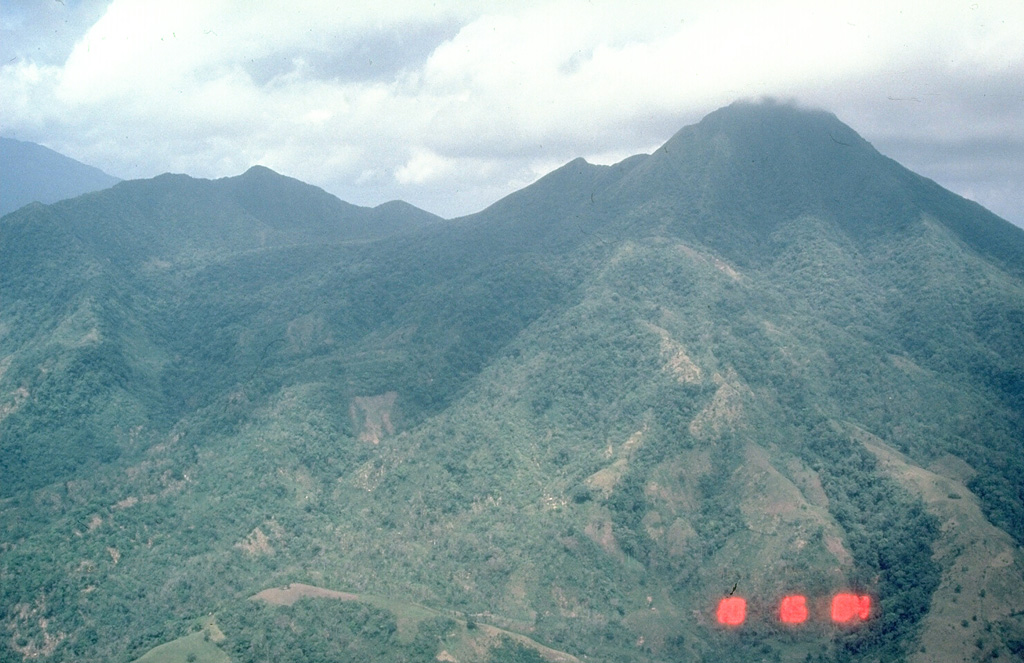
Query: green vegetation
x=194, y=648
x=311, y=631
x=582, y=415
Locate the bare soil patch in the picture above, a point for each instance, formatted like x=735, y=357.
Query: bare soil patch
x=256, y=543
x=372, y=414
x=289, y=594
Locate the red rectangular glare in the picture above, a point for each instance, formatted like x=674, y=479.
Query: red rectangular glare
x=848, y=607
x=732, y=611
x=793, y=609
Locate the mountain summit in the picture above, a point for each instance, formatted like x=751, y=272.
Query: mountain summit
x=751, y=167
x=731, y=180
x=640, y=412
x=746, y=168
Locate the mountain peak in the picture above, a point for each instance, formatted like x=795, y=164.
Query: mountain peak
x=765, y=110
x=780, y=128
x=733, y=177
x=259, y=171
x=780, y=161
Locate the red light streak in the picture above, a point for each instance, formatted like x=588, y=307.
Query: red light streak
x=793, y=609
x=732, y=611
x=848, y=607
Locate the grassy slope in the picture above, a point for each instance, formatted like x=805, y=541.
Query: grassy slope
x=291, y=627
x=982, y=565
x=199, y=647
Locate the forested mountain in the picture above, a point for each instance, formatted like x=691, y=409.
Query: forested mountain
x=33, y=173
x=764, y=360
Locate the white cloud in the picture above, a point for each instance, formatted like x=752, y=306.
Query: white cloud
x=453, y=107
x=424, y=166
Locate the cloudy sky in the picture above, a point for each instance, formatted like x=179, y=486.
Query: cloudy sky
x=451, y=105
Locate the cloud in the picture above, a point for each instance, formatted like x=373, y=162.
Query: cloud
x=452, y=108
x=44, y=32
x=424, y=166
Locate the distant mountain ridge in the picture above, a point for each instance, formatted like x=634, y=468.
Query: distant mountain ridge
x=763, y=361
x=259, y=209
x=33, y=173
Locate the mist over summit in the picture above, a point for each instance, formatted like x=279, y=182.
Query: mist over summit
x=763, y=361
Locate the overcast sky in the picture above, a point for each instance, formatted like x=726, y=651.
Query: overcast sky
x=451, y=105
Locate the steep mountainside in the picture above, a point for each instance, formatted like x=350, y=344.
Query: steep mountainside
x=764, y=360
x=95, y=287
x=33, y=173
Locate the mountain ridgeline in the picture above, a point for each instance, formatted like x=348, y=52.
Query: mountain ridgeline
x=763, y=360
x=33, y=173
